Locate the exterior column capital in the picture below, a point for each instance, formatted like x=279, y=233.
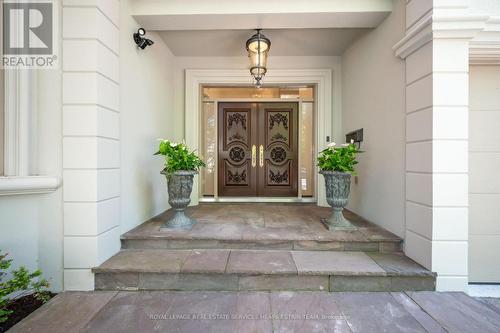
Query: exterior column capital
x=432, y=26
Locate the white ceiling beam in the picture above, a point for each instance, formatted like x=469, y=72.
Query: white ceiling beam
x=267, y=14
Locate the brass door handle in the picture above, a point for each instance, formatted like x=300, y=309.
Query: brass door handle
x=254, y=156
x=261, y=156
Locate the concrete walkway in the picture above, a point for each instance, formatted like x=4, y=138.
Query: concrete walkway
x=264, y=312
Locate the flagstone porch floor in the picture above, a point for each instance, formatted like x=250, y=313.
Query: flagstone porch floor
x=263, y=312
x=255, y=247
x=262, y=226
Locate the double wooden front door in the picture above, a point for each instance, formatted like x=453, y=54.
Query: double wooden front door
x=258, y=149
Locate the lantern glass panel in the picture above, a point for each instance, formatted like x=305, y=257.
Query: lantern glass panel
x=258, y=59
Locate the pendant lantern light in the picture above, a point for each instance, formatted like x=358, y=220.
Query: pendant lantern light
x=258, y=50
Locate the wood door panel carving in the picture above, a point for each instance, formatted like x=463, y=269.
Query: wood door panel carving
x=237, y=128
x=243, y=126
x=280, y=174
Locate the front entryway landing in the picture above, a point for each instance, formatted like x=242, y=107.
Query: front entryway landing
x=261, y=247
x=261, y=226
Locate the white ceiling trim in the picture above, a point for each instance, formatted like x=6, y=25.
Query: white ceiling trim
x=264, y=21
x=183, y=7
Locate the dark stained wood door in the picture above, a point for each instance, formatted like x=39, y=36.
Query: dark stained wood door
x=258, y=149
x=237, y=137
x=278, y=138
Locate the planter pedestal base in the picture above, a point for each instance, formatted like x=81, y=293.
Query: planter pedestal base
x=179, y=221
x=337, y=222
x=180, y=185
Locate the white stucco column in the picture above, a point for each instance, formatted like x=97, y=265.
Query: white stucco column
x=436, y=50
x=91, y=143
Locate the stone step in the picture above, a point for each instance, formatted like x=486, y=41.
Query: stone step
x=264, y=243
x=264, y=227
x=250, y=270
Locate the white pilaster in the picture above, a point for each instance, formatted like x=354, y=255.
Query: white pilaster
x=436, y=50
x=91, y=142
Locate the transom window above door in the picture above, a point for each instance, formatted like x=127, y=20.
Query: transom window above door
x=304, y=92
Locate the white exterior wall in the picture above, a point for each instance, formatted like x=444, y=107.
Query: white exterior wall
x=146, y=114
x=91, y=137
x=484, y=184
x=373, y=81
x=116, y=100
x=32, y=224
x=436, y=143
x=112, y=181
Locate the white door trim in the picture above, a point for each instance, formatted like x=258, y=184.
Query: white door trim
x=328, y=123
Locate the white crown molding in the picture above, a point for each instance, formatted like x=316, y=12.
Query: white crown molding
x=493, y=24
x=416, y=37
x=485, y=47
x=28, y=185
x=458, y=26
x=484, y=53
x=432, y=26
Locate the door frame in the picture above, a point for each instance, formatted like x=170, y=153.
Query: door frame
x=327, y=88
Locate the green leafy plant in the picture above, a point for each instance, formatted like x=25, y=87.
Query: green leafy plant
x=339, y=158
x=178, y=157
x=20, y=284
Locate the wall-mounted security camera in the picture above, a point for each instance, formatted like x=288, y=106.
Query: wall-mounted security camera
x=140, y=40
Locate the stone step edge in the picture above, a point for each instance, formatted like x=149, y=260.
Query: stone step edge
x=221, y=282
x=311, y=245
x=98, y=270
x=173, y=238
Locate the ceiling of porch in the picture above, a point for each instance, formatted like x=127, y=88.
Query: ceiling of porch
x=266, y=14
x=295, y=27
x=285, y=42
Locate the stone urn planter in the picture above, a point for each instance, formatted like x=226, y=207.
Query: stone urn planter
x=338, y=186
x=180, y=185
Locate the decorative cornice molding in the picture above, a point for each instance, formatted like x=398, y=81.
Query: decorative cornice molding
x=484, y=53
x=493, y=24
x=28, y=185
x=458, y=26
x=432, y=26
x=416, y=37
x=485, y=47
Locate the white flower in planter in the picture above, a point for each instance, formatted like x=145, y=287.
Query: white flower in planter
x=348, y=144
x=332, y=145
x=172, y=144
